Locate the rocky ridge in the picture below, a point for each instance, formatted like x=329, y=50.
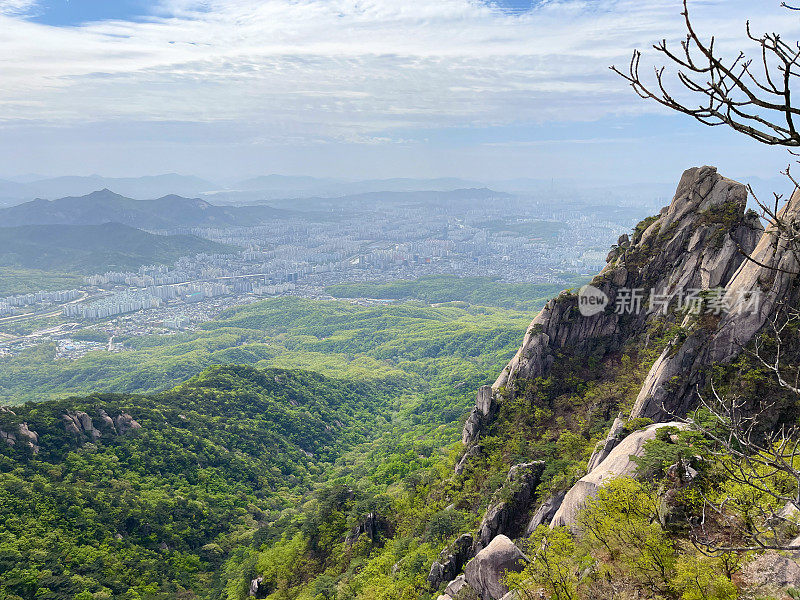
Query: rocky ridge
x=697, y=242
x=701, y=241
x=78, y=423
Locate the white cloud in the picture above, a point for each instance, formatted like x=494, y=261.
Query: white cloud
x=17, y=7
x=343, y=69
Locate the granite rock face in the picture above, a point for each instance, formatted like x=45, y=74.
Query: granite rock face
x=30, y=437
x=753, y=295
x=24, y=435
x=697, y=242
x=126, y=423
x=456, y=586
x=451, y=561
x=617, y=464
x=614, y=437
x=80, y=423
x=485, y=572
x=545, y=513
x=772, y=573
x=506, y=517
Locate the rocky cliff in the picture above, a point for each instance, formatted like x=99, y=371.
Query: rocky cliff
x=696, y=243
x=706, y=268
x=754, y=295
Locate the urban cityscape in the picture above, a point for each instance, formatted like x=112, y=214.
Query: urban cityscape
x=356, y=241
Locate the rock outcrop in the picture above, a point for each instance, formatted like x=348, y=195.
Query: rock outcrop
x=30, y=437
x=82, y=425
x=24, y=435
x=545, y=513
x=473, y=451
x=454, y=587
x=506, y=516
x=374, y=526
x=485, y=572
x=482, y=413
x=752, y=295
x=451, y=561
x=126, y=423
x=695, y=243
x=772, y=573
x=8, y=438
x=257, y=588
x=614, y=437
x=617, y=464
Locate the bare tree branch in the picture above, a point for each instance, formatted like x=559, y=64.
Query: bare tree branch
x=754, y=101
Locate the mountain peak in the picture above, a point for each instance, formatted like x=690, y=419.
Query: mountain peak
x=695, y=243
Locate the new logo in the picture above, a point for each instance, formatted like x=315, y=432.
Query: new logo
x=591, y=301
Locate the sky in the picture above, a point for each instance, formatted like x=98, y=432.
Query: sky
x=480, y=89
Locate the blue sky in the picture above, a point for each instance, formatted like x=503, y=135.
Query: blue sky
x=355, y=88
x=77, y=12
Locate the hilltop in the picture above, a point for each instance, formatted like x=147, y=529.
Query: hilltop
x=95, y=248
x=105, y=206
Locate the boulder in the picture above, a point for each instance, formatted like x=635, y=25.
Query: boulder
x=31, y=437
x=107, y=422
x=71, y=424
x=613, y=438
x=8, y=438
x=451, y=561
x=81, y=424
x=257, y=588
x=486, y=571
x=772, y=573
x=456, y=585
x=436, y=575
x=617, y=464
x=125, y=423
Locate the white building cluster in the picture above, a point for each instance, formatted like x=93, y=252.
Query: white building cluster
x=117, y=304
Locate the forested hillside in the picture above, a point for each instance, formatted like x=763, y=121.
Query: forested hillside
x=87, y=249
x=144, y=496
x=412, y=344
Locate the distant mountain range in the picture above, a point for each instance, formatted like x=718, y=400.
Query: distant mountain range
x=106, y=206
x=95, y=248
x=141, y=188
x=267, y=188
x=19, y=189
